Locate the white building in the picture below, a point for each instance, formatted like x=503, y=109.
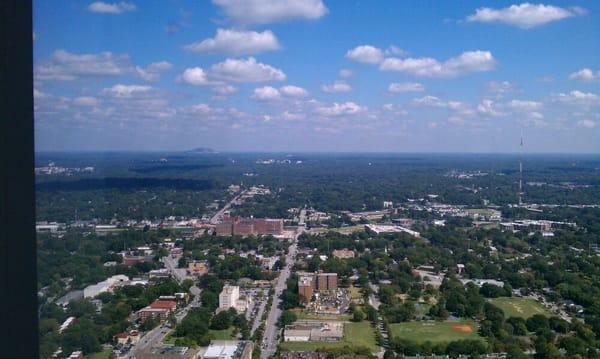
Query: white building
x=105, y=286
x=229, y=297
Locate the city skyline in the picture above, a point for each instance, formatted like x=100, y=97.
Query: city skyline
x=317, y=76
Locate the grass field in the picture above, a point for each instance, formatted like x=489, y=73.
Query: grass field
x=355, y=293
x=224, y=334
x=519, y=307
x=302, y=314
x=435, y=331
x=101, y=355
x=355, y=334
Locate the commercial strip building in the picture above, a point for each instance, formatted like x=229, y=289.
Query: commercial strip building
x=105, y=286
x=160, y=309
x=238, y=226
x=389, y=228
x=304, y=331
x=229, y=349
x=310, y=282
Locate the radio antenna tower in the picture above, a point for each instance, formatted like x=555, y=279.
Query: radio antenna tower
x=521, y=171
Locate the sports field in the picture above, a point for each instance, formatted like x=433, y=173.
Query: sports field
x=433, y=331
x=355, y=334
x=519, y=307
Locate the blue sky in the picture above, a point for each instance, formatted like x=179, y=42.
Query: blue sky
x=317, y=75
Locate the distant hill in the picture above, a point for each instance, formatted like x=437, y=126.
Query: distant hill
x=201, y=150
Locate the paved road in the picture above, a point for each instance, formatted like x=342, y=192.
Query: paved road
x=270, y=340
x=155, y=336
x=259, y=314
x=171, y=263
x=218, y=217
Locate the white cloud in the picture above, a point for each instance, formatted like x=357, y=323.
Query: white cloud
x=585, y=75
x=126, y=91
x=37, y=94
x=501, y=88
x=395, y=50
x=465, y=63
x=579, y=98
x=249, y=70
x=195, y=76
x=524, y=16
x=366, y=54
x=266, y=93
x=237, y=42
x=86, y=101
x=586, y=123
x=111, y=8
x=152, y=72
x=270, y=11
x=224, y=89
x=292, y=116
x=293, y=91
x=339, y=109
x=487, y=107
x=345, y=73
x=66, y=66
x=338, y=86
x=405, y=87
x=525, y=105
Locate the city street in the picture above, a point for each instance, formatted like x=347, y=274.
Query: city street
x=270, y=340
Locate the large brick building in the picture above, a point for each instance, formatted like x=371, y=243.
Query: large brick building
x=238, y=226
x=158, y=309
x=309, y=282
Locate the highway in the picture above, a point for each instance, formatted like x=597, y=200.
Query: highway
x=270, y=340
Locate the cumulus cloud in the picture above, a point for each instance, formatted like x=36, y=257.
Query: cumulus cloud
x=152, y=72
x=579, y=98
x=500, y=88
x=292, y=116
x=111, y=8
x=195, y=76
x=338, y=86
x=405, y=87
x=489, y=108
x=293, y=91
x=271, y=11
x=266, y=93
x=585, y=75
x=524, y=16
x=86, y=101
x=249, y=70
x=224, y=89
x=465, y=63
x=66, y=66
x=339, y=109
x=237, y=42
x=366, y=54
x=525, y=105
x=126, y=91
x=586, y=123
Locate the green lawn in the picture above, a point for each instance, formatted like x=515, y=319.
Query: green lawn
x=302, y=314
x=433, y=331
x=355, y=293
x=224, y=334
x=100, y=355
x=355, y=334
x=519, y=307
